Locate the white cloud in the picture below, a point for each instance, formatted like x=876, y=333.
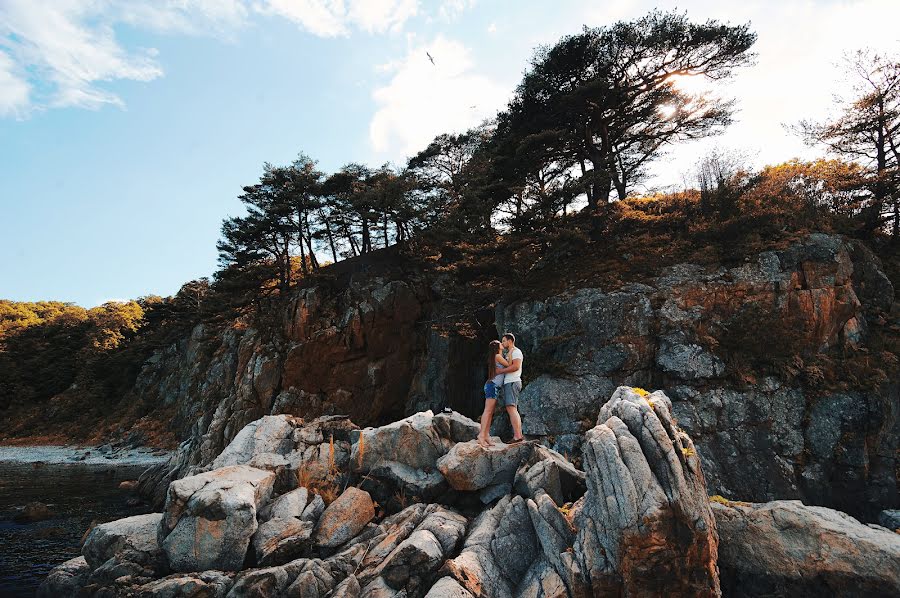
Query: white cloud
x=184, y=16
x=68, y=56
x=320, y=17
x=65, y=52
x=423, y=99
x=330, y=18
x=449, y=10
x=377, y=16
x=14, y=91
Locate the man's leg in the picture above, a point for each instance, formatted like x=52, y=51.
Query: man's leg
x=511, y=402
x=484, y=438
x=516, y=420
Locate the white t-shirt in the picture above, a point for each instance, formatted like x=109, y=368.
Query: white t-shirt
x=517, y=375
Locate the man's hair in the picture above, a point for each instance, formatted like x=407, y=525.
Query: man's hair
x=510, y=336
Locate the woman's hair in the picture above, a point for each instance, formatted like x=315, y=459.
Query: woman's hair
x=492, y=359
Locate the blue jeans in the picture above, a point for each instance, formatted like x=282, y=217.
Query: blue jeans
x=490, y=390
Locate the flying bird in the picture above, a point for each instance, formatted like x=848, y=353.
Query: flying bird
x=429, y=57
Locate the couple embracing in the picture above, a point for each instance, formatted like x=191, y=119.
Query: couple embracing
x=502, y=387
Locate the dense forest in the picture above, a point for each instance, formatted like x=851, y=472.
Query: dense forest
x=544, y=196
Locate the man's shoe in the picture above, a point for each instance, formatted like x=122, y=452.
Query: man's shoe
x=517, y=440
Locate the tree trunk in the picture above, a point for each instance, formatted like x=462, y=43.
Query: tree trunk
x=312, y=254
x=366, y=240
x=331, y=241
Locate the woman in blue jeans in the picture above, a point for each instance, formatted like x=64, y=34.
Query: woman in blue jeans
x=494, y=382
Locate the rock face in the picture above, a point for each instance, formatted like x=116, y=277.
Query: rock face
x=350, y=350
x=645, y=526
x=784, y=548
x=210, y=517
x=353, y=346
x=759, y=440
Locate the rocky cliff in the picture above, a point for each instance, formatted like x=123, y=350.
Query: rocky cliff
x=741, y=349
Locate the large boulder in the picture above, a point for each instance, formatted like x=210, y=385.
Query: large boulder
x=65, y=580
x=105, y=541
x=290, y=504
x=210, y=517
x=469, y=466
x=404, y=454
x=784, y=548
x=271, y=434
x=644, y=526
x=279, y=540
x=125, y=548
x=344, y=518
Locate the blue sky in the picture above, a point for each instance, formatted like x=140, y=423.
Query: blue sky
x=128, y=128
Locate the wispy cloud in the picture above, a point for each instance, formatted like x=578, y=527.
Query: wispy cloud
x=451, y=9
x=422, y=99
x=66, y=52
x=330, y=18
x=14, y=90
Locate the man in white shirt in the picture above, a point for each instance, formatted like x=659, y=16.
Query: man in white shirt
x=512, y=384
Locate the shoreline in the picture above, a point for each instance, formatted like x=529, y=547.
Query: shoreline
x=75, y=454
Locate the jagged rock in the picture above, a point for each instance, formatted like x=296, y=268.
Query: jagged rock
x=547, y=470
x=447, y=587
x=65, y=580
x=555, y=536
x=542, y=581
x=207, y=584
x=344, y=518
x=644, y=525
x=278, y=540
x=386, y=536
x=314, y=509
x=784, y=548
x=469, y=466
x=890, y=519
x=514, y=544
x=210, y=517
x=308, y=578
x=349, y=588
x=289, y=504
x=500, y=543
x=411, y=565
x=256, y=583
x=106, y=540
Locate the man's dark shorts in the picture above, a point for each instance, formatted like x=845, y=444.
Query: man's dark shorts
x=510, y=394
